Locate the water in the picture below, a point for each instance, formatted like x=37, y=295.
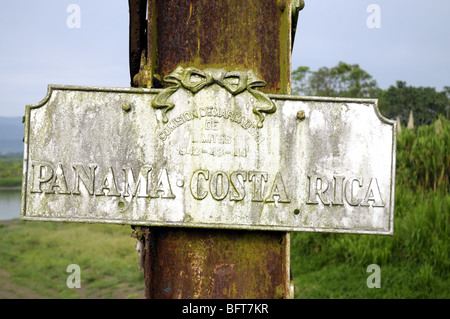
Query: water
x=9, y=204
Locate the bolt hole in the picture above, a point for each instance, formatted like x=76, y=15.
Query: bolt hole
x=296, y=211
x=167, y=289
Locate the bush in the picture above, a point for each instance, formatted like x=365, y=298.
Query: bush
x=423, y=160
x=10, y=172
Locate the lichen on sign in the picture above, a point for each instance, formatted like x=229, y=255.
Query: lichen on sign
x=107, y=155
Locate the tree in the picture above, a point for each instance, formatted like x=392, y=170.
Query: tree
x=343, y=80
x=349, y=80
x=425, y=103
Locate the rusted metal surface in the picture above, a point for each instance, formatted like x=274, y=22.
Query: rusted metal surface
x=236, y=35
x=296, y=7
x=149, y=254
x=216, y=264
x=137, y=36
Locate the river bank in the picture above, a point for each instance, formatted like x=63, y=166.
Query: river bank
x=14, y=188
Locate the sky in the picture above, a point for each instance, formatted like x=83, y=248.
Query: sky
x=54, y=42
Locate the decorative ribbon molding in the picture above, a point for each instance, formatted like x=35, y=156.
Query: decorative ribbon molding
x=234, y=82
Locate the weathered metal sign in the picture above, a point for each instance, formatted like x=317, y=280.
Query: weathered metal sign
x=210, y=151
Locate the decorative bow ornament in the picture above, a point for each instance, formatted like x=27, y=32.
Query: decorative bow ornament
x=234, y=82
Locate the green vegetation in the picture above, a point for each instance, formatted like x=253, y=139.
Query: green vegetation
x=343, y=80
x=423, y=157
x=349, y=80
x=425, y=102
x=10, y=172
x=35, y=256
x=415, y=261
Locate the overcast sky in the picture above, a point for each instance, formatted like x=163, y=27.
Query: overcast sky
x=406, y=40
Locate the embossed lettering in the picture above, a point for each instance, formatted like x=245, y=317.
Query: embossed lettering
x=343, y=190
x=108, y=186
x=373, y=194
x=175, y=122
x=237, y=192
x=58, y=182
x=42, y=173
x=197, y=188
x=338, y=190
x=317, y=186
x=211, y=122
x=211, y=125
x=278, y=190
x=86, y=180
x=49, y=179
x=219, y=185
x=258, y=178
x=222, y=183
x=350, y=196
x=163, y=188
x=137, y=188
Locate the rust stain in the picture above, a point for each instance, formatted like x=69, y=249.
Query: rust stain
x=190, y=12
x=241, y=35
x=216, y=264
x=138, y=43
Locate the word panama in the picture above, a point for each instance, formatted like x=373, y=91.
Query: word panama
x=216, y=157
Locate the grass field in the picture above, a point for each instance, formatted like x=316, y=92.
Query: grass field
x=35, y=256
x=414, y=262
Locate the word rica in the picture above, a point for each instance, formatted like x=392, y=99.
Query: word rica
x=339, y=189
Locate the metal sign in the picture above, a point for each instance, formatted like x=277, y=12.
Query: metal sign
x=211, y=151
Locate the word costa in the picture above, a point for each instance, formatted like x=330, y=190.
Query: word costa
x=221, y=184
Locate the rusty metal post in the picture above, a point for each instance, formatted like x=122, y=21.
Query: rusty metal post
x=234, y=35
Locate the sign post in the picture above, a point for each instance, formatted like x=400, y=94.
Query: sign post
x=213, y=168
x=231, y=35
